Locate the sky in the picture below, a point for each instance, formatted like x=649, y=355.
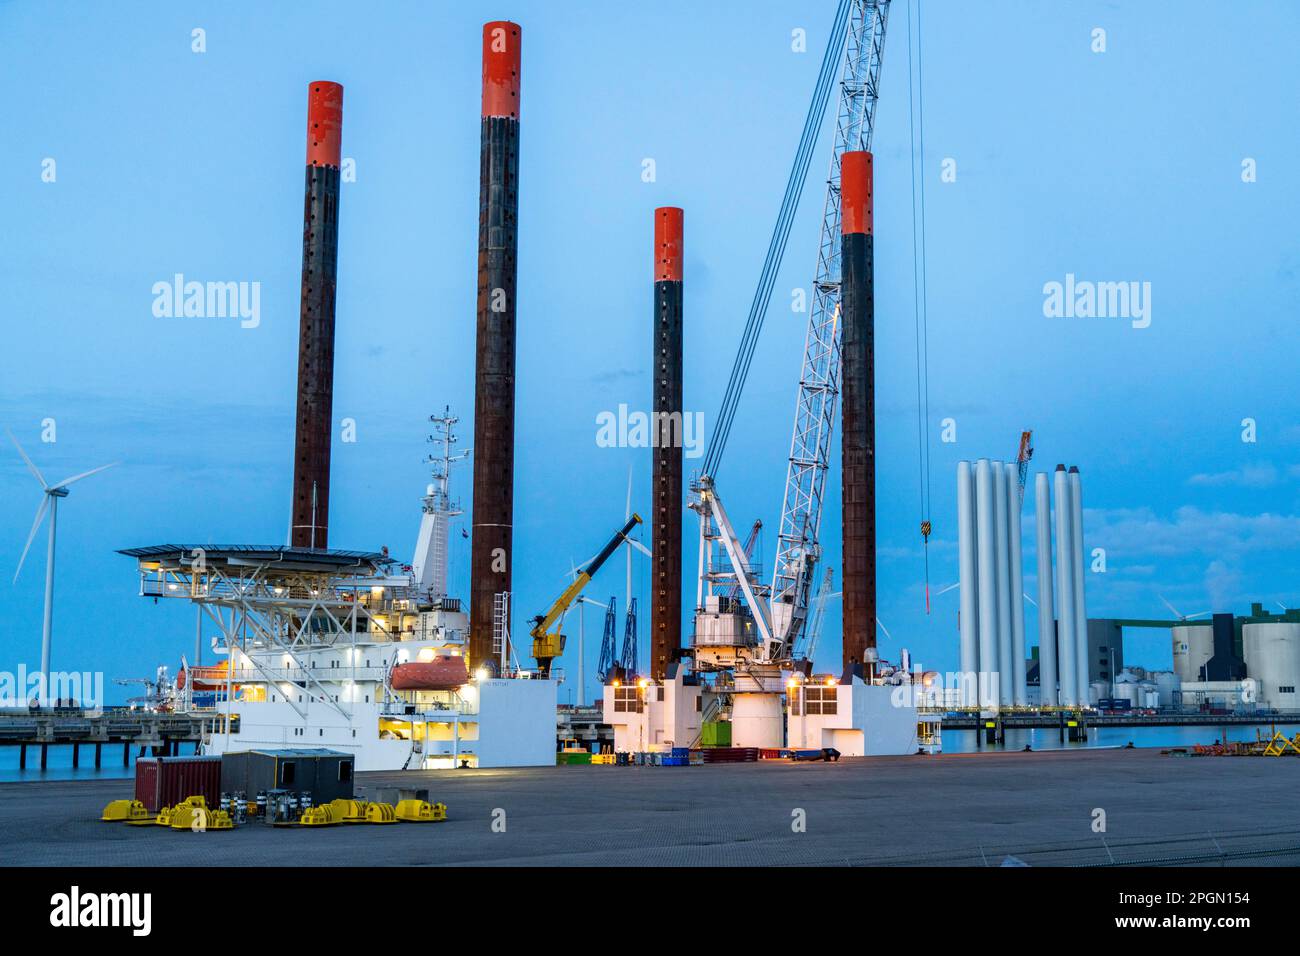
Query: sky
x=1159, y=159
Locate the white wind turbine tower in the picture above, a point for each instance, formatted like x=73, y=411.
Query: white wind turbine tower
x=50, y=502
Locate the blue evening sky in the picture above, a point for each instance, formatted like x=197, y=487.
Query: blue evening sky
x=1119, y=166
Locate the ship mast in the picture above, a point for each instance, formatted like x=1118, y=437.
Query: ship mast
x=429, y=565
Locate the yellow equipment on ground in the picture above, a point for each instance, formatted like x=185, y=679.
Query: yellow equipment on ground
x=125, y=810
x=191, y=814
x=420, y=811
x=348, y=811
x=322, y=816
x=1280, y=744
x=380, y=813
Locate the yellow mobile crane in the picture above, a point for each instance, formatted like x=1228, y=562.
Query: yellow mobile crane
x=548, y=644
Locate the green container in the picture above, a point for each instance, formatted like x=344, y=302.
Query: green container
x=716, y=733
x=573, y=759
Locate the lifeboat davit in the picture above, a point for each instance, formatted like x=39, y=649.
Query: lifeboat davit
x=441, y=673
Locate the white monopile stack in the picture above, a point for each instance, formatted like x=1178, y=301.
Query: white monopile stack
x=968, y=618
x=1066, y=659
x=992, y=624
x=1046, y=619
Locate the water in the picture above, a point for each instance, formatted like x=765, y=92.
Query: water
x=1049, y=738
x=59, y=766
x=954, y=741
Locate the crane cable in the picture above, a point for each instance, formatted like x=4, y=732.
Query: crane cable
x=916, y=129
x=780, y=235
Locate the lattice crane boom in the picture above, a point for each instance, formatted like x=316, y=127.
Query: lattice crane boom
x=798, y=542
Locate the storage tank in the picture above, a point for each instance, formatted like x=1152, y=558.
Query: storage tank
x=1098, y=691
x=1168, y=686
x=1193, y=647
x=1272, y=654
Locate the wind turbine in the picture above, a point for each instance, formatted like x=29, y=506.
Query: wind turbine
x=50, y=502
x=1178, y=614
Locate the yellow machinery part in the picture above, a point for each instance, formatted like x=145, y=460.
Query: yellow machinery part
x=164, y=818
x=192, y=814
x=220, y=820
x=419, y=811
x=322, y=816
x=380, y=813
x=124, y=810
x=548, y=646
x=348, y=811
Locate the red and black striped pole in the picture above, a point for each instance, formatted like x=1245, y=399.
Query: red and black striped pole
x=320, y=247
x=666, y=611
x=857, y=315
x=491, y=557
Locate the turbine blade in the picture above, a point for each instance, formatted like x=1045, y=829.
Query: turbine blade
x=881, y=624
x=1171, y=607
x=947, y=589
x=1029, y=599
x=40, y=514
x=640, y=547
x=85, y=474
x=36, y=472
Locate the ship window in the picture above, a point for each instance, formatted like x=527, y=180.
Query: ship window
x=817, y=701
x=699, y=704
x=629, y=700
x=661, y=692
x=1286, y=690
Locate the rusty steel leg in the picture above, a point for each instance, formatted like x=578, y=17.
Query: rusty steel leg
x=858, y=396
x=320, y=244
x=491, y=555
x=666, y=608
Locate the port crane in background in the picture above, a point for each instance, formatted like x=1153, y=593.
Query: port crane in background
x=549, y=644
x=779, y=611
x=1025, y=453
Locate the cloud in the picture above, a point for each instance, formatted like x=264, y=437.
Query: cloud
x=1248, y=476
x=1139, y=531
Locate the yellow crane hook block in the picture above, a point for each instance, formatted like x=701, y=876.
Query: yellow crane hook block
x=322, y=816
x=380, y=813
x=348, y=811
x=419, y=811
x=125, y=810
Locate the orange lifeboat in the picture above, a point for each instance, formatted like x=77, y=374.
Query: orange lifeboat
x=205, y=678
x=441, y=673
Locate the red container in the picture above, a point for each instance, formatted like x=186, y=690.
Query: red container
x=166, y=781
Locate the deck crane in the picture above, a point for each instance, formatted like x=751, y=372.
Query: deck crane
x=548, y=644
x=798, y=542
x=859, y=35
x=734, y=590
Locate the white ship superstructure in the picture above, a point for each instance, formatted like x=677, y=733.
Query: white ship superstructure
x=351, y=651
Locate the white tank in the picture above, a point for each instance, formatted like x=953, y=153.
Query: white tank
x=1193, y=647
x=1167, y=686
x=1098, y=690
x=1272, y=654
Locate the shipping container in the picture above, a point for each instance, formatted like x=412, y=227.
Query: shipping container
x=716, y=733
x=325, y=774
x=166, y=781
